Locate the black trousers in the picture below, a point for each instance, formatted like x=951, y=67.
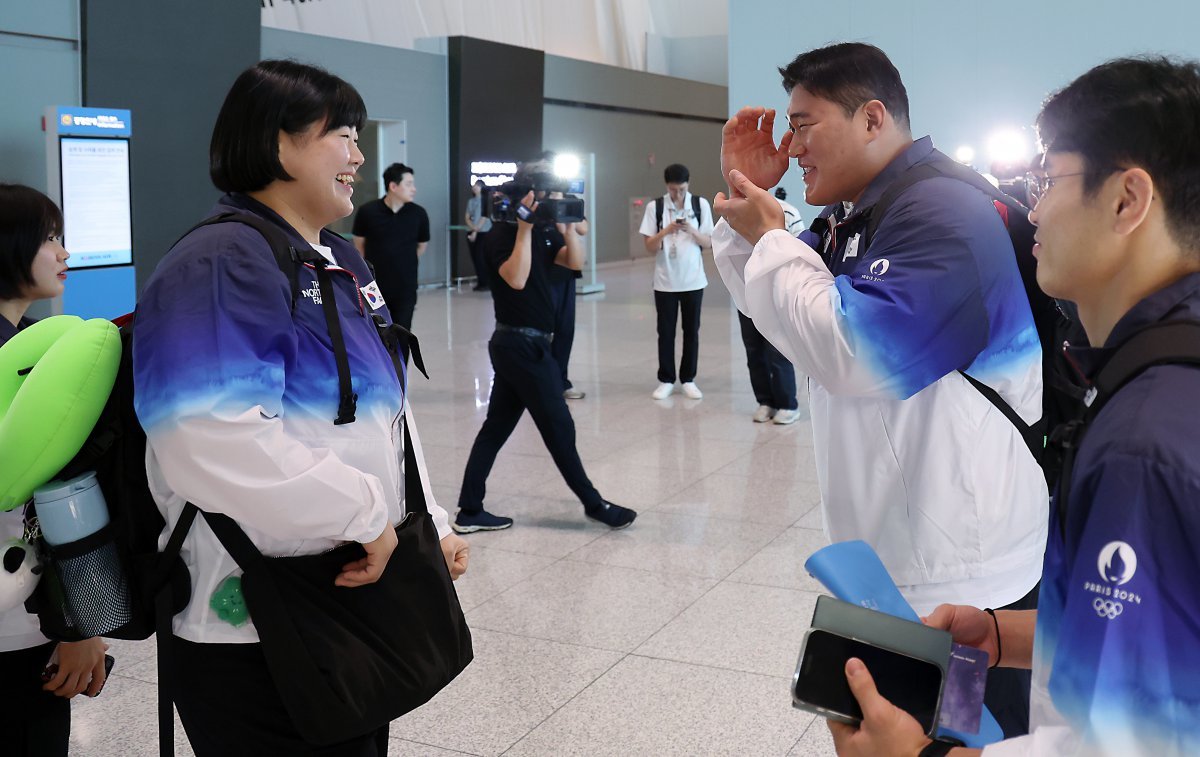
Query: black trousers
x=527, y=378
x=1007, y=691
x=477, y=247
x=772, y=375
x=401, y=304
x=564, y=326
x=669, y=305
x=230, y=708
x=33, y=723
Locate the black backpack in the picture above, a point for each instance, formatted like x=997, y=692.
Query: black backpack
x=1166, y=343
x=1061, y=391
x=159, y=586
x=658, y=210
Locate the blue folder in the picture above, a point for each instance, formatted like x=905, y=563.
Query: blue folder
x=854, y=573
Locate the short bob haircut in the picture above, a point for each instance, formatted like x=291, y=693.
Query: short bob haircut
x=676, y=173
x=27, y=219
x=1135, y=112
x=274, y=96
x=849, y=74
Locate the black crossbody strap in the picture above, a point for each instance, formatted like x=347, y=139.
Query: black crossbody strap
x=1167, y=343
x=1034, y=435
x=414, y=488
x=347, y=399
x=234, y=540
x=400, y=344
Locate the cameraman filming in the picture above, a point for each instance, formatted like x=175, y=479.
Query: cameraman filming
x=524, y=246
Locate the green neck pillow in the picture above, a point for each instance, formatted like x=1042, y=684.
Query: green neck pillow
x=47, y=413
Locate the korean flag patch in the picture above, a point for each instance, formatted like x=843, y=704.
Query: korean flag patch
x=373, y=295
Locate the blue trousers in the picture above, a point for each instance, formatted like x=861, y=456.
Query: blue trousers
x=771, y=374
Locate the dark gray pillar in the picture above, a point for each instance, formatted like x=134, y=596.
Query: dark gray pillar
x=171, y=63
x=496, y=96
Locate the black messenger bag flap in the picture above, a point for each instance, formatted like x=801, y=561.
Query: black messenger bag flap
x=346, y=661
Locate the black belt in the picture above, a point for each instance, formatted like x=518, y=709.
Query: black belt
x=526, y=331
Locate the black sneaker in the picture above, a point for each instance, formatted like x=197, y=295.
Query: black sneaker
x=613, y=516
x=482, y=520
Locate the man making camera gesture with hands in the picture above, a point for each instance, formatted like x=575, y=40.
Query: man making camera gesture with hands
x=911, y=458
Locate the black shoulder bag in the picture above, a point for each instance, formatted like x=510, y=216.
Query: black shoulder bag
x=347, y=661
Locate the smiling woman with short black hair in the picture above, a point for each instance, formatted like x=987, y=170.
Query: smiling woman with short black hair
x=240, y=370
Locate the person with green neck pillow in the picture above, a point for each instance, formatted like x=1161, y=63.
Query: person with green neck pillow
x=36, y=716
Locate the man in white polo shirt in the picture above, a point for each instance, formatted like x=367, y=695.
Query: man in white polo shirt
x=676, y=227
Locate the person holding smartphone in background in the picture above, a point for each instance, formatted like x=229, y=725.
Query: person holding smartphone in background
x=677, y=227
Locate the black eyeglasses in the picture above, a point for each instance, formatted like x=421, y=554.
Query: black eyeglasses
x=1037, y=185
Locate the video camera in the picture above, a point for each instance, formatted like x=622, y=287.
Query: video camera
x=501, y=202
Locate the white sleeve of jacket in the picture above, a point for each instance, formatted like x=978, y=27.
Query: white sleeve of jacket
x=784, y=287
x=247, y=467
x=441, y=520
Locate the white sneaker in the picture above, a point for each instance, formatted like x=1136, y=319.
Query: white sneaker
x=784, y=417
x=763, y=414
x=691, y=391
x=663, y=391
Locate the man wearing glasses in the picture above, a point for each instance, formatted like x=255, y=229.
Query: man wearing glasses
x=911, y=457
x=1115, y=643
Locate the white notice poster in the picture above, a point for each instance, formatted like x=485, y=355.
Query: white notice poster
x=95, y=191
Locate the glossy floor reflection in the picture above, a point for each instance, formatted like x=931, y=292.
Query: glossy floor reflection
x=676, y=636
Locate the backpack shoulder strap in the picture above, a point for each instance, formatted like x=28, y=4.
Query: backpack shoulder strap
x=1167, y=343
x=286, y=256
x=879, y=210
x=658, y=212
x=696, y=210
x=1172, y=342
x=940, y=165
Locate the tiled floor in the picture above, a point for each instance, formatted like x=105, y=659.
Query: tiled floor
x=676, y=636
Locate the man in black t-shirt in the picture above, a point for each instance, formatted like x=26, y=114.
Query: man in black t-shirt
x=520, y=258
x=391, y=233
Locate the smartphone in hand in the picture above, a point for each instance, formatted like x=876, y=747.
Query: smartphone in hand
x=51, y=669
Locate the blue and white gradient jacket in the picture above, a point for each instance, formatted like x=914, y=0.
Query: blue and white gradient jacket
x=1116, y=666
x=910, y=458
x=238, y=393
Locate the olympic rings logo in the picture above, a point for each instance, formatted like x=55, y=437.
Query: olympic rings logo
x=1107, y=609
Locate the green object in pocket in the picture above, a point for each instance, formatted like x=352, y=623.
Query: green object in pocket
x=228, y=603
